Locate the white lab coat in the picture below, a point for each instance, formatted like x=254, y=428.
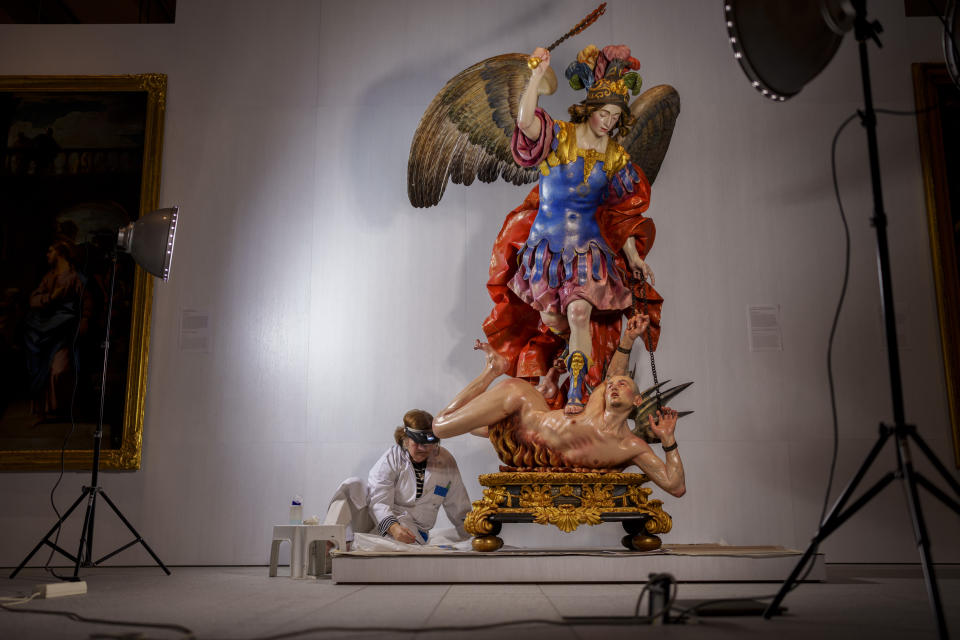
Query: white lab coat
x=392, y=491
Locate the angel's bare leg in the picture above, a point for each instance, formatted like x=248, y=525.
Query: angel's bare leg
x=478, y=406
x=578, y=316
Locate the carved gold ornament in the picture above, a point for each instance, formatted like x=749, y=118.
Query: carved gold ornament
x=560, y=477
x=607, y=89
x=477, y=521
x=614, y=158
x=660, y=521
x=565, y=500
x=495, y=496
x=566, y=517
x=638, y=495
x=597, y=495
x=535, y=496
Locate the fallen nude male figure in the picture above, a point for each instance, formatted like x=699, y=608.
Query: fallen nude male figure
x=599, y=438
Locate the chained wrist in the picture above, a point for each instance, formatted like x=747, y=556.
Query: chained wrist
x=671, y=447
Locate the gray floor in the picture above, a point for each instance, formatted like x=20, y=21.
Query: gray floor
x=873, y=601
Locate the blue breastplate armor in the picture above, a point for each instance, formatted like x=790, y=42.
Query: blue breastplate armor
x=566, y=225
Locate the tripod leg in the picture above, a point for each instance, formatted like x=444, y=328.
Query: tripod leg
x=46, y=538
x=138, y=537
x=93, y=521
x=87, y=527
x=829, y=524
x=920, y=532
x=937, y=493
x=885, y=433
x=932, y=457
x=771, y=610
x=833, y=525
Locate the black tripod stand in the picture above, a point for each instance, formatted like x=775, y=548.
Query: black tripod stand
x=901, y=431
x=84, y=555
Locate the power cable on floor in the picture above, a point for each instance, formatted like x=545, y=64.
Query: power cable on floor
x=76, y=617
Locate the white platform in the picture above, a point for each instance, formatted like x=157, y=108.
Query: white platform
x=687, y=563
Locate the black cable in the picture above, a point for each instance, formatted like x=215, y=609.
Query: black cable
x=843, y=292
x=597, y=621
x=76, y=617
x=905, y=112
x=666, y=606
x=292, y=634
x=700, y=605
x=451, y=628
x=636, y=610
x=445, y=628
x=836, y=315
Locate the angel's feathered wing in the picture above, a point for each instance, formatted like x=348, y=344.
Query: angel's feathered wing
x=656, y=111
x=465, y=132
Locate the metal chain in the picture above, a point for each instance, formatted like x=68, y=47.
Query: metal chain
x=653, y=361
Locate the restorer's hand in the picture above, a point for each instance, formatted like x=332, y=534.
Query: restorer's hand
x=401, y=533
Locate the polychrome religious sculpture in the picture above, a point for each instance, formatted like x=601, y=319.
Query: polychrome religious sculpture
x=566, y=267
x=569, y=262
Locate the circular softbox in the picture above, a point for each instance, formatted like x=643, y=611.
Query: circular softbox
x=782, y=46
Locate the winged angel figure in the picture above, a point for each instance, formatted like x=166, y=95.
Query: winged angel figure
x=569, y=262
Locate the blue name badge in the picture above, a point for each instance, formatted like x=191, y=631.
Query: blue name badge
x=441, y=491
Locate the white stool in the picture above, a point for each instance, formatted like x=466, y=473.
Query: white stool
x=300, y=537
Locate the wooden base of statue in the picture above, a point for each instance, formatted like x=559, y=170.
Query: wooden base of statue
x=567, y=500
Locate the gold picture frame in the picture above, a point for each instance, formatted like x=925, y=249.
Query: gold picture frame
x=81, y=155
x=938, y=124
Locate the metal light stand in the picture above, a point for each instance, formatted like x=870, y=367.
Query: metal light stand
x=84, y=555
x=901, y=431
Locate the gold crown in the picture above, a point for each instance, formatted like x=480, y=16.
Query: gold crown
x=607, y=88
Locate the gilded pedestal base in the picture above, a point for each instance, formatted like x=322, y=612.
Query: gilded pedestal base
x=567, y=500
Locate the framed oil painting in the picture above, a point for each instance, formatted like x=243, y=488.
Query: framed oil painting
x=80, y=157
x=938, y=124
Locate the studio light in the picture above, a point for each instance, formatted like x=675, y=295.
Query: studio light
x=950, y=23
x=149, y=241
x=781, y=46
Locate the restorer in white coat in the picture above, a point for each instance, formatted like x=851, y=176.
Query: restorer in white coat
x=409, y=483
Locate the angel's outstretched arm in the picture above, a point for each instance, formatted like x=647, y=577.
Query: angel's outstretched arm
x=527, y=120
